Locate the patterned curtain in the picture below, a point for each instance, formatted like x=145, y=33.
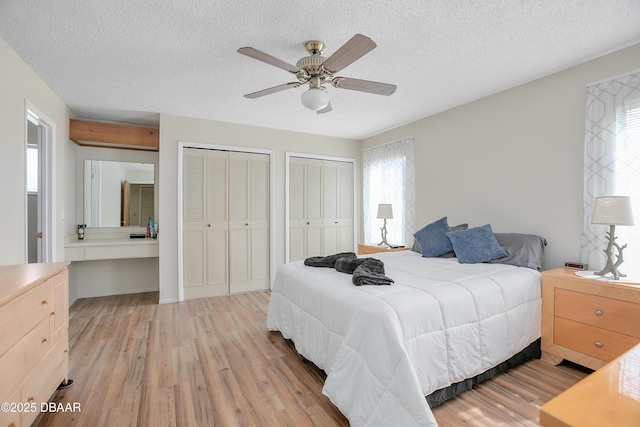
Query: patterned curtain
x=388, y=177
x=612, y=163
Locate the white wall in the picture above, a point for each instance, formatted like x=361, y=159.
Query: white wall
x=514, y=160
x=175, y=129
x=19, y=84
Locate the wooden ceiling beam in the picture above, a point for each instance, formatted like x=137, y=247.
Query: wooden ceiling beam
x=98, y=134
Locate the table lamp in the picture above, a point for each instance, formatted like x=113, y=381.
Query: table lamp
x=612, y=211
x=384, y=212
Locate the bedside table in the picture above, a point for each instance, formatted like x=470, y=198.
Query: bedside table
x=587, y=321
x=366, y=248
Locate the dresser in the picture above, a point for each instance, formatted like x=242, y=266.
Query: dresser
x=587, y=321
x=608, y=397
x=34, y=342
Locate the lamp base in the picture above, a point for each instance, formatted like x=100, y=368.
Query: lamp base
x=612, y=267
x=383, y=231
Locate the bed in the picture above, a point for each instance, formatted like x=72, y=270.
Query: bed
x=384, y=348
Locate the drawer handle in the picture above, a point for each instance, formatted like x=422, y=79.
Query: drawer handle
x=598, y=312
x=598, y=344
x=308, y=223
x=53, y=313
x=44, y=302
x=12, y=424
x=66, y=350
x=335, y=222
x=31, y=399
x=44, y=340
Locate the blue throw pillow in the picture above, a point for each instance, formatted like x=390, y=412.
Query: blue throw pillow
x=433, y=239
x=475, y=245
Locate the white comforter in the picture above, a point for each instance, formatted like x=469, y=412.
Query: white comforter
x=385, y=347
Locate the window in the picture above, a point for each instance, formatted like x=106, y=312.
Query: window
x=388, y=177
x=612, y=165
x=32, y=169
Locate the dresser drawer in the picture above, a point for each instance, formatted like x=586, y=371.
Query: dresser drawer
x=47, y=376
x=596, y=342
x=11, y=417
x=607, y=313
x=22, y=314
x=18, y=362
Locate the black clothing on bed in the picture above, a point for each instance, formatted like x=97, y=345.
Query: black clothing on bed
x=366, y=271
x=348, y=265
x=329, y=260
x=370, y=272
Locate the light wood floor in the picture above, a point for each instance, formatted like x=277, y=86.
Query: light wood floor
x=212, y=362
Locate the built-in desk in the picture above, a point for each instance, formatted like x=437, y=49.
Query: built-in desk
x=109, y=248
x=111, y=263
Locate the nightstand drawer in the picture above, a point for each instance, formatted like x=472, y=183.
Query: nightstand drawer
x=596, y=342
x=607, y=313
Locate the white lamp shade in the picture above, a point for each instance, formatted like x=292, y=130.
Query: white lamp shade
x=315, y=98
x=612, y=210
x=385, y=211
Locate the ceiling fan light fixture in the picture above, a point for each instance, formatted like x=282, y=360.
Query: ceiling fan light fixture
x=315, y=98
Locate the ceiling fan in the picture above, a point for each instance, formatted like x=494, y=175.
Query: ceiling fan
x=316, y=71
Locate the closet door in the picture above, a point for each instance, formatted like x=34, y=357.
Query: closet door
x=305, y=213
x=248, y=222
x=205, y=224
x=337, y=206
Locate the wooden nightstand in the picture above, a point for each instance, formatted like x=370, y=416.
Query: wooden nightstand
x=587, y=321
x=364, y=248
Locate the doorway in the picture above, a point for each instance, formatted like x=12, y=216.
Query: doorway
x=39, y=209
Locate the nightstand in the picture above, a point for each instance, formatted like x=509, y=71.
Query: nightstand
x=587, y=321
x=370, y=248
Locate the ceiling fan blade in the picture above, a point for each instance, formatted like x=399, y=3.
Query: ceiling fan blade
x=271, y=90
x=351, y=51
x=265, y=57
x=325, y=109
x=364, y=86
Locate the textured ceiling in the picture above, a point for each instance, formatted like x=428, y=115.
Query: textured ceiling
x=128, y=60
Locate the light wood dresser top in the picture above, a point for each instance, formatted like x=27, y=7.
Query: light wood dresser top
x=16, y=279
x=608, y=397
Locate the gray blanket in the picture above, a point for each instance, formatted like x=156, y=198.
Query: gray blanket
x=329, y=260
x=365, y=271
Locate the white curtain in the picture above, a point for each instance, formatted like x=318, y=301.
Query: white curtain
x=612, y=164
x=388, y=177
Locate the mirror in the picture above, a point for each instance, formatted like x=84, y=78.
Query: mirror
x=118, y=194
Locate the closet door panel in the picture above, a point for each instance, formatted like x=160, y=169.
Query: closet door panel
x=194, y=239
x=259, y=258
x=194, y=265
x=239, y=257
x=248, y=222
x=217, y=278
x=314, y=239
x=217, y=223
x=313, y=190
x=297, y=219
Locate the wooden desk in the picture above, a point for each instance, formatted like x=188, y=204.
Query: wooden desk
x=608, y=397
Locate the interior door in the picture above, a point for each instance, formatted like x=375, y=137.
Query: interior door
x=126, y=204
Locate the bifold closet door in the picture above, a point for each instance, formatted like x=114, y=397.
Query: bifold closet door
x=248, y=222
x=305, y=212
x=205, y=223
x=337, y=206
